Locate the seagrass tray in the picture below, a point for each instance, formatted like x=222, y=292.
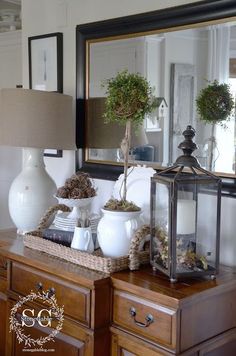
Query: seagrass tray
x=96, y=260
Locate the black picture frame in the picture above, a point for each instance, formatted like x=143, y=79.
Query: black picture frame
x=46, y=67
x=189, y=14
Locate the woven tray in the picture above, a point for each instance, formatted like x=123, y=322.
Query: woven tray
x=95, y=260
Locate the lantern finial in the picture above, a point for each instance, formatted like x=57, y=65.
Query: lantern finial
x=188, y=146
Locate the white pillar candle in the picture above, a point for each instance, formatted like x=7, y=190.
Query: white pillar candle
x=186, y=216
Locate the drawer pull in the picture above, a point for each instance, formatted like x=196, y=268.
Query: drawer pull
x=39, y=286
x=50, y=292
x=148, y=319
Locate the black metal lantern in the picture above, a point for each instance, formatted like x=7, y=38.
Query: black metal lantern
x=185, y=217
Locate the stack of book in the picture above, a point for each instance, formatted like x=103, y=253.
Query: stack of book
x=54, y=234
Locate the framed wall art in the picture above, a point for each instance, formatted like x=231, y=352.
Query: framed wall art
x=46, y=67
x=53, y=153
x=45, y=62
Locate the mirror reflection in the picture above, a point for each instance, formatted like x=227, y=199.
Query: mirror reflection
x=178, y=65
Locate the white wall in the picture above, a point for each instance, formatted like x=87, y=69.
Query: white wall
x=44, y=16
x=41, y=17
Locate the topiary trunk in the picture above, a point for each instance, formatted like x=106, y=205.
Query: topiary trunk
x=211, y=148
x=125, y=148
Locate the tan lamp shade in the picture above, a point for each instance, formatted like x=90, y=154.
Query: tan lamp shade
x=39, y=119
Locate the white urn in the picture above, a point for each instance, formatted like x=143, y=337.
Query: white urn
x=115, y=230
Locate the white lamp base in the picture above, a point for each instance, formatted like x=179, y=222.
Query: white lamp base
x=31, y=192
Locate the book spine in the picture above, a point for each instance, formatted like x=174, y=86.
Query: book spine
x=59, y=236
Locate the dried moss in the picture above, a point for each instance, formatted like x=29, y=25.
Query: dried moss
x=121, y=205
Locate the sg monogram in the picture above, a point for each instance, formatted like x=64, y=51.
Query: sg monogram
x=43, y=318
x=29, y=321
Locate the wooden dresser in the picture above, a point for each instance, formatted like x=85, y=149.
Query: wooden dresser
x=129, y=313
x=85, y=295
x=154, y=317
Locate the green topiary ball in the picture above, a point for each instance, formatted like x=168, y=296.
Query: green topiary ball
x=129, y=97
x=215, y=103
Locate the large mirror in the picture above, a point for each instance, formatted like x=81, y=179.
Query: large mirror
x=178, y=50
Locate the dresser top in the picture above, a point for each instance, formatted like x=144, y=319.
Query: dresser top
x=154, y=285
x=12, y=247
x=144, y=282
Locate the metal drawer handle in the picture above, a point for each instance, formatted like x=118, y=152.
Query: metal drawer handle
x=50, y=292
x=148, y=319
x=39, y=286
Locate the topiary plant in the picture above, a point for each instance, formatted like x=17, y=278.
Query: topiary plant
x=129, y=99
x=215, y=103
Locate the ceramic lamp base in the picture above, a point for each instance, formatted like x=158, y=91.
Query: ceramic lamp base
x=31, y=193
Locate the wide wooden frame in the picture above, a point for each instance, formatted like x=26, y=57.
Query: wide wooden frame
x=39, y=43
x=190, y=15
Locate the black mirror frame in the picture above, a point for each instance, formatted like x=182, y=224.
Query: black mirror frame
x=190, y=14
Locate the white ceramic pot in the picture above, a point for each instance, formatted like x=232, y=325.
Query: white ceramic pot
x=115, y=230
x=31, y=192
x=82, y=239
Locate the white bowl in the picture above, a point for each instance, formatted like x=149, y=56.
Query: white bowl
x=79, y=203
x=77, y=206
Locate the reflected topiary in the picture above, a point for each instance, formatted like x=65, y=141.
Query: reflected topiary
x=215, y=103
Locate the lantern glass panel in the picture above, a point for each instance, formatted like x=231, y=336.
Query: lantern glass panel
x=207, y=224
x=196, y=235
x=186, y=226
x=160, y=218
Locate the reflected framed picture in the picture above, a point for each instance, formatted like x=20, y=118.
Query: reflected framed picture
x=182, y=93
x=46, y=67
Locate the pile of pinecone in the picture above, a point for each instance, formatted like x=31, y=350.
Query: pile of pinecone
x=79, y=186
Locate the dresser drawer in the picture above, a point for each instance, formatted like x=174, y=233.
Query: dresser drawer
x=3, y=285
x=3, y=263
x=145, y=318
x=3, y=274
x=76, y=299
